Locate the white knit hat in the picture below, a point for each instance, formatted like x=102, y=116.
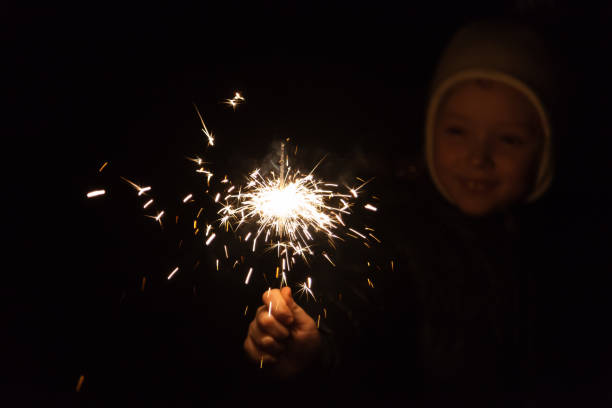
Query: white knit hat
x=503, y=52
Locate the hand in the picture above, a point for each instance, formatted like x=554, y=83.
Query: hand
x=284, y=336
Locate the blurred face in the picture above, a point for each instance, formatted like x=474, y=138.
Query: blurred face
x=487, y=144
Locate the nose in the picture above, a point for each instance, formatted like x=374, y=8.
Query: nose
x=480, y=154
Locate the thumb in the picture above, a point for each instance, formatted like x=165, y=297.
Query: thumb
x=300, y=316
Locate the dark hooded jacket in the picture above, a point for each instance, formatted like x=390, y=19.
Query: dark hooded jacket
x=473, y=308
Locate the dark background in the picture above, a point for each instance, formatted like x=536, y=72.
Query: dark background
x=89, y=83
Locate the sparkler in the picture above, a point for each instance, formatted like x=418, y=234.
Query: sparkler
x=292, y=209
x=288, y=212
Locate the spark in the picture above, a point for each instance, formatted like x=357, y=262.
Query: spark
x=102, y=168
x=173, y=272
x=305, y=290
x=196, y=160
x=358, y=233
x=235, y=101
x=217, y=264
x=226, y=254
x=370, y=207
x=148, y=203
x=246, y=281
x=95, y=193
x=328, y=258
x=372, y=235
x=187, y=198
x=283, y=279
x=209, y=240
x=80, y=383
x=209, y=135
x=141, y=190
x=157, y=217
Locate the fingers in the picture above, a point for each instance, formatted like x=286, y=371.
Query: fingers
x=256, y=355
x=264, y=341
x=280, y=310
x=302, y=320
x=267, y=323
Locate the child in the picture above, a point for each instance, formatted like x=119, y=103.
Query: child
x=458, y=314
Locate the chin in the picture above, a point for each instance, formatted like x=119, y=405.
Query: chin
x=476, y=209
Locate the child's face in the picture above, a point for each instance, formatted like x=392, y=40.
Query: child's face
x=487, y=145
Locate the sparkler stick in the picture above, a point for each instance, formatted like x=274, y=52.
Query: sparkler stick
x=282, y=165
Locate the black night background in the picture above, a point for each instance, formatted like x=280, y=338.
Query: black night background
x=91, y=83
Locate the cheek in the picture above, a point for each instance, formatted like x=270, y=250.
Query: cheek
x=446, y=157
x=517, y=173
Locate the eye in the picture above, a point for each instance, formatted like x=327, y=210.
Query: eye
x=455, y=130
x=512, y=140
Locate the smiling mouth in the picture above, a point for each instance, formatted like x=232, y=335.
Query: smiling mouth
x=478, y=186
